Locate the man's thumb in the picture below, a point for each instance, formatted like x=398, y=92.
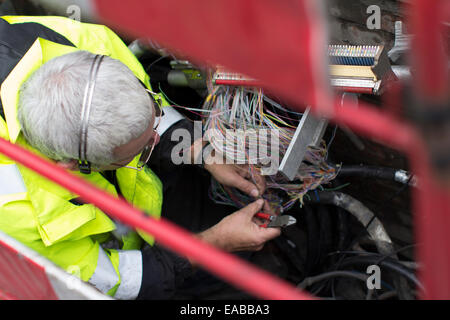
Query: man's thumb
x=247, y=187
x=253, y=207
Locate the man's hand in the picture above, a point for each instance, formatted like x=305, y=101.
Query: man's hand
x=238, y=176
x=230, y=175
x=240, y=231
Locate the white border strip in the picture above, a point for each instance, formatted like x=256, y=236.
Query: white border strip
x=66, y=286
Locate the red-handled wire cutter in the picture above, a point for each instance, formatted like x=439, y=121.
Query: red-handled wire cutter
x=276, y=221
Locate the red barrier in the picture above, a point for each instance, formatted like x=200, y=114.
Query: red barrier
x=281, y=43
x=226, y=266
x=277, y=42
x=429, y=56
x=20, y=277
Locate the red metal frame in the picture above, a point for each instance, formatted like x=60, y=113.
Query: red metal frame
x=281, y=55
x=284, y=54
x=355, y=90
x=236, y=271
x=22, y=278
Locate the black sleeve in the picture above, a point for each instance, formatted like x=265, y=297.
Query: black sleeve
x=163, y=272
x=160, y=161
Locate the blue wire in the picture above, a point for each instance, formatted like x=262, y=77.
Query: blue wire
x=317, y=194
x=331, y=140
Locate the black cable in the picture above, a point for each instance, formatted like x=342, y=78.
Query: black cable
x=387, y=295
x=366, y=258
x=345, y=201
x=364, y=215
x=312, y=245
x=332, y=274
x=282, y=243
x=325, y=233
x=396, y=252
x=385, y=204
x=400, y=284
x=372, y=253
x=388, y=263
x=381, y=208
x=367, y=172
x=380, y=256
x=342, y=227
x=154, y=62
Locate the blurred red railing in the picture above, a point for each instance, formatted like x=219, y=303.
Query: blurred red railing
x=239, y=273
x=279, y=43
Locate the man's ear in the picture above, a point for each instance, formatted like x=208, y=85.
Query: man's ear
x=68, y=165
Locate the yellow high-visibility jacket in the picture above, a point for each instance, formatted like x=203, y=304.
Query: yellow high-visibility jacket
x=38, y=212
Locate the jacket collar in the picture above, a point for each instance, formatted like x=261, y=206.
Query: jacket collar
x=49, y=199
x=40, y=52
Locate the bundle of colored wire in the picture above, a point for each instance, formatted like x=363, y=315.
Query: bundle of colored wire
x=239, y=126
x=312, y=173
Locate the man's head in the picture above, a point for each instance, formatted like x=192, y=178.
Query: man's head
x=121, y=116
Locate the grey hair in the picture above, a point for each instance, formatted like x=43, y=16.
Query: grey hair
x=50, y=103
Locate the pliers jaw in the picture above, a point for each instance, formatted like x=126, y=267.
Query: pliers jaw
x=281, y=221
x=276, y=221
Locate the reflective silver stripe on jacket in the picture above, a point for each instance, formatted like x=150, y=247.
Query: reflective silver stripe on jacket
x=130, y=269
x=11, y=180
x=169, y=118
x=104, y=277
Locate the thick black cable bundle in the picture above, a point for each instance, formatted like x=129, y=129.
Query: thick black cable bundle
x=384, y=262
x=341, y=265
x=368, y=172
